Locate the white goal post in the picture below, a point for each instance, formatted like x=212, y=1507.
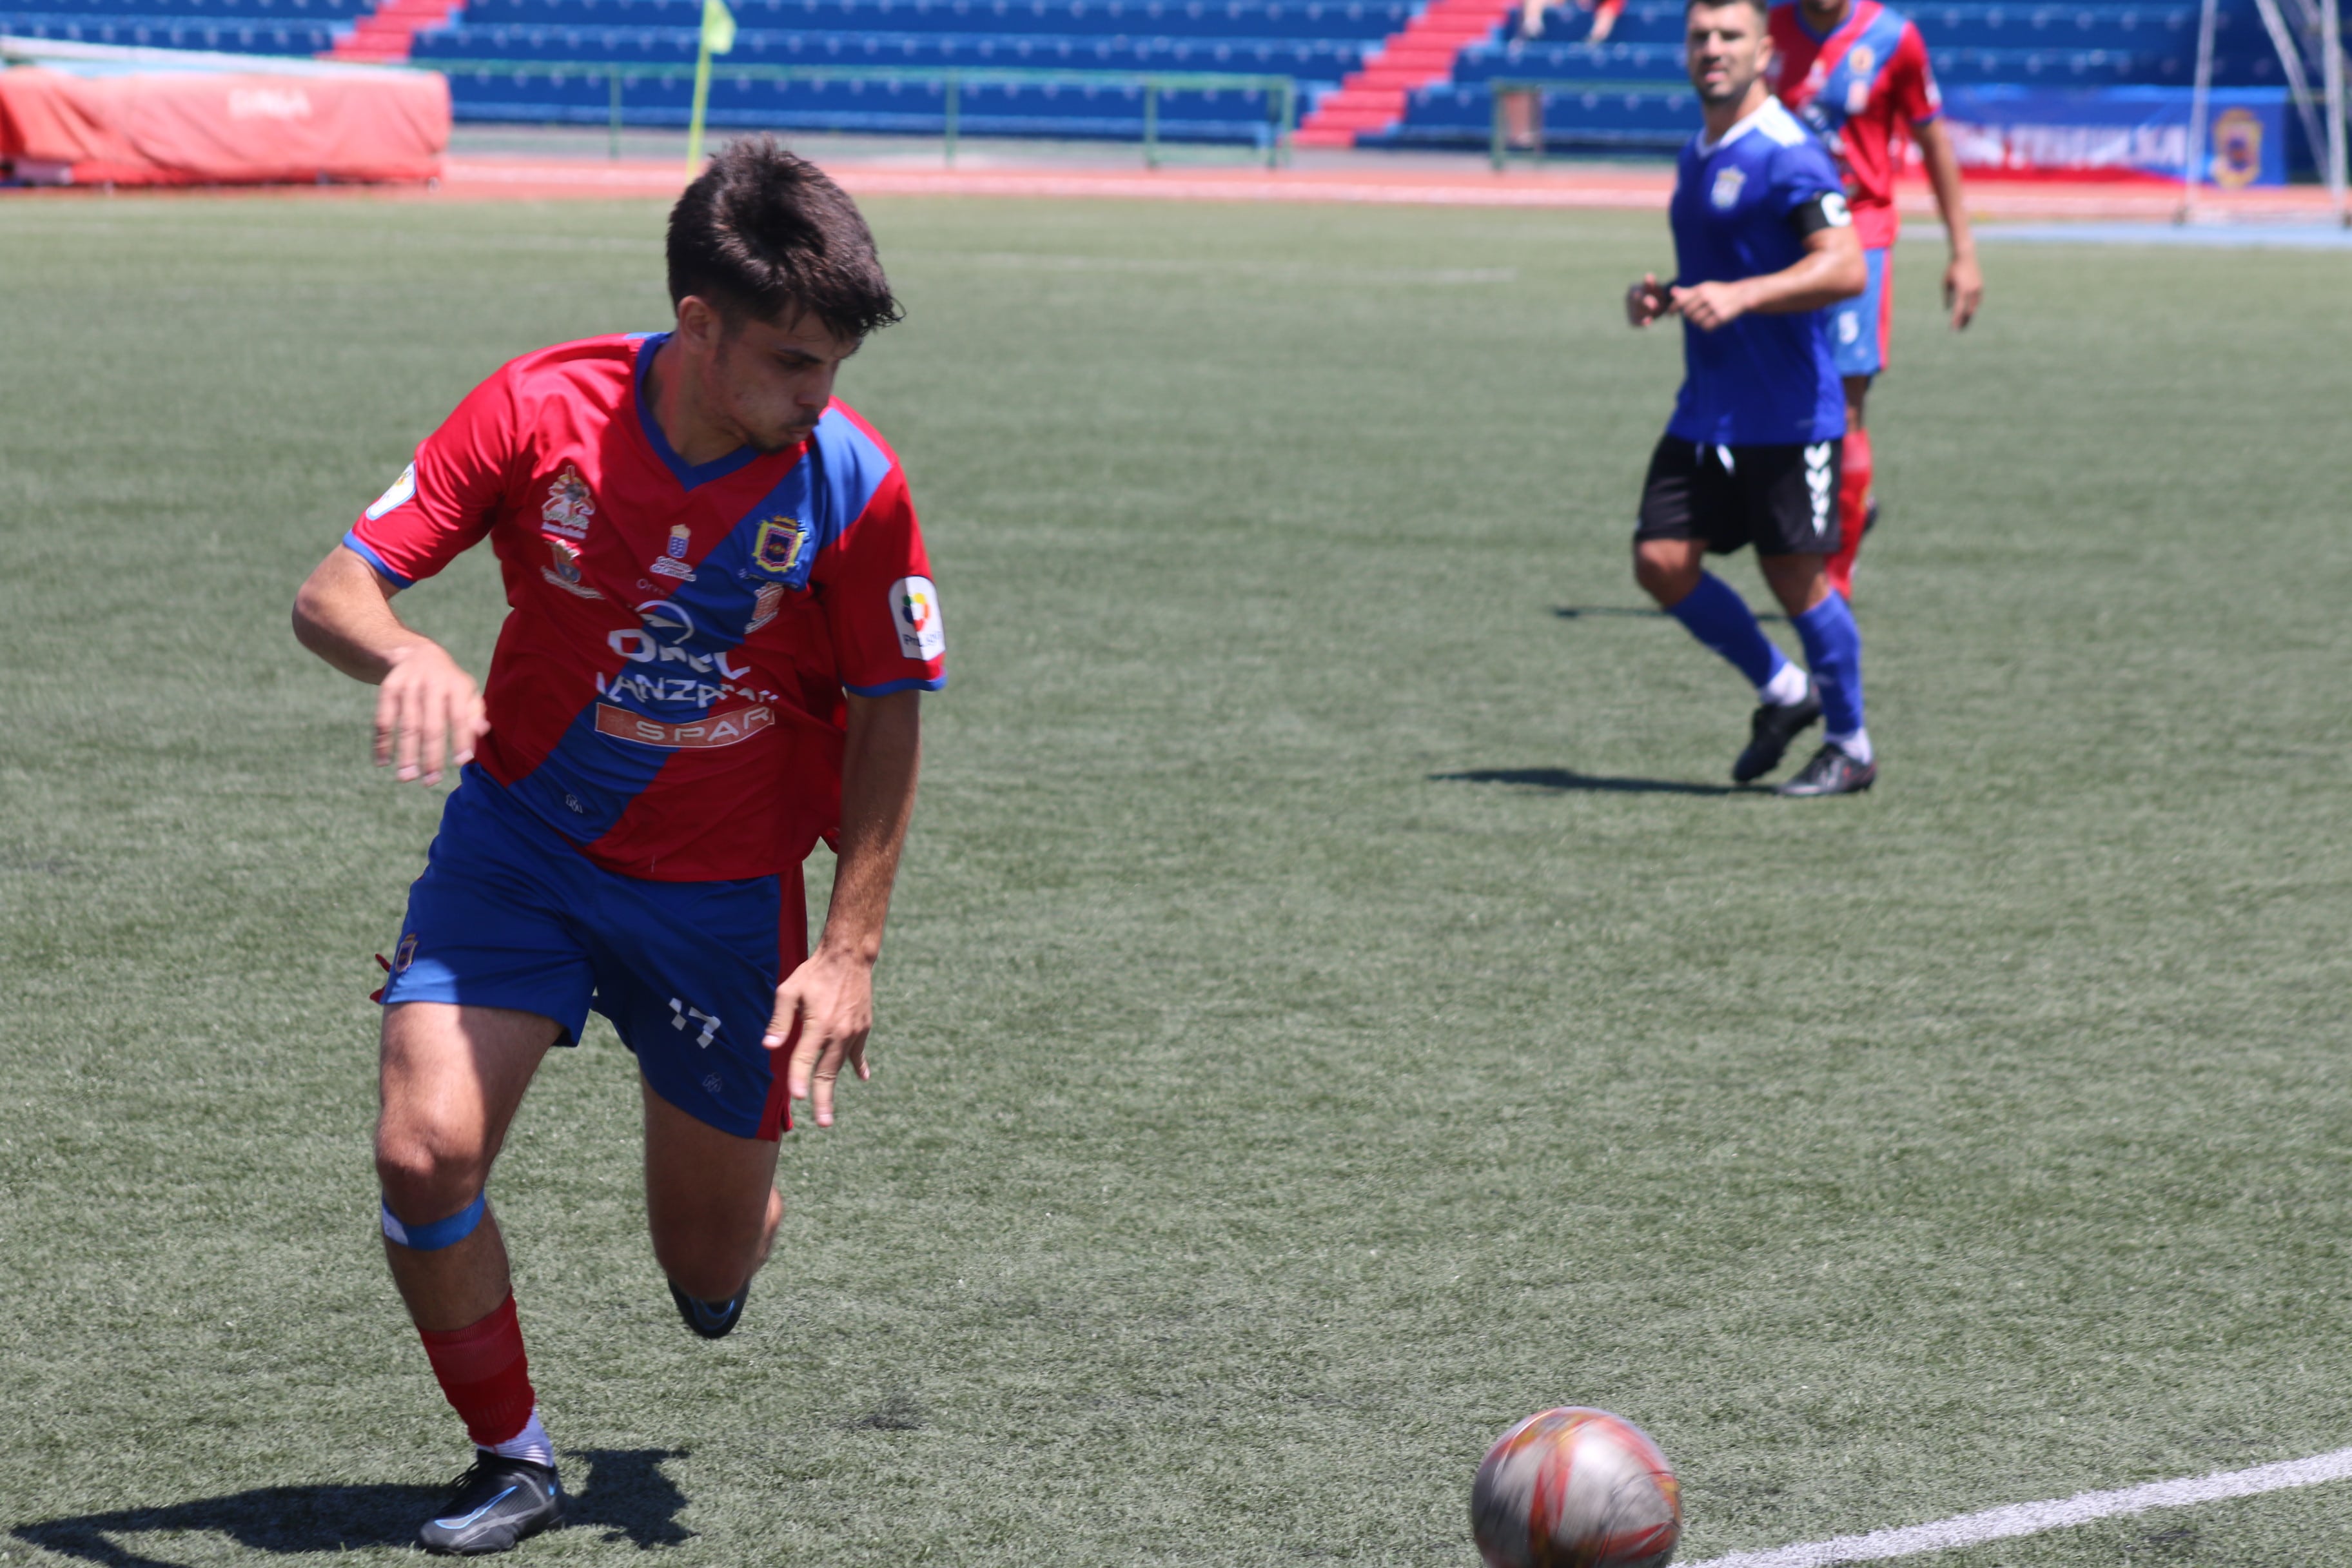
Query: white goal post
x=2311, y=43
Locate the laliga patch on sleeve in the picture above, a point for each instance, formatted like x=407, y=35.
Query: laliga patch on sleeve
x=403, y=489
x=915, y=610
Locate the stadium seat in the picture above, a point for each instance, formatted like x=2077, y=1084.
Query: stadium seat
x=1317, y=43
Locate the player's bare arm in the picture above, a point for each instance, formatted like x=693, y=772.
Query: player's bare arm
x=427, y=709
x=1832, y=269
x=824, y=1009
x=1963, y=278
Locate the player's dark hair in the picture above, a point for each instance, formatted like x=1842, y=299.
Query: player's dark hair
x=763, y=232
x=1763, y=8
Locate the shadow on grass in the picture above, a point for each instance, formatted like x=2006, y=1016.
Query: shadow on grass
x=627, y=1497
x=1565, y=781
x=1629, y=613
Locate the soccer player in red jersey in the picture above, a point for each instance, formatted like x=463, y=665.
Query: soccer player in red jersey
x=720, y=619
x=1858, y=74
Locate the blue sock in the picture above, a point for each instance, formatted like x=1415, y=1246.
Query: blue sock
x=1833, y=648
x=1715, y=615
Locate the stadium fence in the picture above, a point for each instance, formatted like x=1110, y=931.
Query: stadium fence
x=1501, y=90
x=1271, y=129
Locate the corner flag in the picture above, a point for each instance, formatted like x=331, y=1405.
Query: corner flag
x=718, y=38
x=718, y=26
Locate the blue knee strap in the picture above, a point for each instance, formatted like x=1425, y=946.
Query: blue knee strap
x=441, y=1232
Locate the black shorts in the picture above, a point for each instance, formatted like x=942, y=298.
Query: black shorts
x=1781, y=500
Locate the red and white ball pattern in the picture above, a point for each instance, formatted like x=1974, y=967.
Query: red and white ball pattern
x=1576, y=1488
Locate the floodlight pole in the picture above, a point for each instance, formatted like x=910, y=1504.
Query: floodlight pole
x=2200, y=104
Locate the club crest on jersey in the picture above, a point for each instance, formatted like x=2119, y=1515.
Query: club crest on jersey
x=1725, y=192
x=779, y=544
x=673, y=561
x=563, y=569
x=569, y=505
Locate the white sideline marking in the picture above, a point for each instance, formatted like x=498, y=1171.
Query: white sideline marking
x=2033, y=1518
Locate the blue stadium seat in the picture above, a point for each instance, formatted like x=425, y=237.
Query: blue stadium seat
x=1320, y=60
x=1316, y=43
x=228, y=31
x=1368, y=20
x=984, y=108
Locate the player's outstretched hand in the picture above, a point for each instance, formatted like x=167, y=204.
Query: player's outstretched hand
x=1647, y=300
x=426, y=709
x=1963, y=290
x=824, y=1010
x=1707, y=306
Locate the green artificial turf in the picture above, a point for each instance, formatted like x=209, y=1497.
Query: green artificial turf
x=1332, y=1008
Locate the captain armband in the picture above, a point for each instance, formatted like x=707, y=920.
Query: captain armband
x=1815, y=214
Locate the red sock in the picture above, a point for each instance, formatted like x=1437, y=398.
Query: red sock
x=1853, y=507
x=483, y=1371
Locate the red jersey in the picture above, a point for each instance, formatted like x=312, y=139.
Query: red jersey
x=1862, y=88
x=668, y=690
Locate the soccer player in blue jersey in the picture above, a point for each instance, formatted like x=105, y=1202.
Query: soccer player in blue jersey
x=1763, y=243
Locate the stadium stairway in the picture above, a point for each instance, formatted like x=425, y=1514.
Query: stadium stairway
x=387, y=33
x=1371, y=102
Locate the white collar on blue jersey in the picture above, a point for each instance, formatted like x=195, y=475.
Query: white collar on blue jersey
x=1773, y=119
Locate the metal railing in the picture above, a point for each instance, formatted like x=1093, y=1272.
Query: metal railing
x=1501, y=89
x=1281, y=110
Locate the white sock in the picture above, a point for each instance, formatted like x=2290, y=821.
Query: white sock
x=531, y=1443
x=1788, y=685
x=1856, y=745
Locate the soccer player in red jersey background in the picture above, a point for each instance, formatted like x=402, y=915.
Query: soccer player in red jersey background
x=720, y=619
x=1858, y=74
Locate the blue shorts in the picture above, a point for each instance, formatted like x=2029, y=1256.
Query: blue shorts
x=507, y=914
x=1861, y=328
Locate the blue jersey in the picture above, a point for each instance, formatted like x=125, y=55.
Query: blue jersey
x=1764, y=380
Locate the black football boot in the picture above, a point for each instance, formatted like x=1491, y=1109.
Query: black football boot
x=712, y=1320
x=1832, y=772
x=497, y=1504
x=1774, y=725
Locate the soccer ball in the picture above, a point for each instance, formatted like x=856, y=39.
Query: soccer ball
x=1576, y=1488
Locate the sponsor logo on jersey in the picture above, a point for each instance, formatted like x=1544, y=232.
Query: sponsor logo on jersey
x=779, y=544
x=1725, y=194
x=728, y=729
x=764, y=604
x=673, y=561
x=915, y=610
x=401, y=490
x=1857, y=94
x=570, y=506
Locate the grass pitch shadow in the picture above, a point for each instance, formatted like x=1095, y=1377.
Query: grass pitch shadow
x=1630, y=613
x=627, y=1497
x=1569, y=782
